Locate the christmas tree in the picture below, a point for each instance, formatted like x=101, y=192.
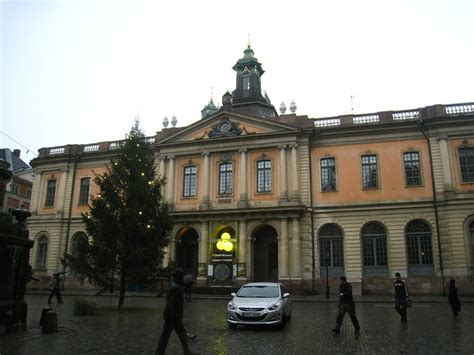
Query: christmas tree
x=128, y=223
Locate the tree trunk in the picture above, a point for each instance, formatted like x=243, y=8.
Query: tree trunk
x=122, y=289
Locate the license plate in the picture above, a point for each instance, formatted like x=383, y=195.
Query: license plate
x=251, y=314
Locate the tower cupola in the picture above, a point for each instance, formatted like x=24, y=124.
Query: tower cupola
x=247, y=96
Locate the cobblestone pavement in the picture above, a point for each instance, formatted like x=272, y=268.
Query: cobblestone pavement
x=431, y=328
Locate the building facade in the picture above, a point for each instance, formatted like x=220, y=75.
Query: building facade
x=260, y=196
x=18, y=189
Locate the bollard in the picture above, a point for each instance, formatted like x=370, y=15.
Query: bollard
x=50, y=322
x=42, y=315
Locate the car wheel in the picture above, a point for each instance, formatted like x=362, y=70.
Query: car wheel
x=283, y=322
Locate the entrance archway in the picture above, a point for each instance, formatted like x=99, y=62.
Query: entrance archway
x=265, y=254
x=187, y=248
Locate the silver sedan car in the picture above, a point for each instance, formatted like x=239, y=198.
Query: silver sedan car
x=259, y=303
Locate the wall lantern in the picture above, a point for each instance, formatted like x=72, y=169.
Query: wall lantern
x=225, y=243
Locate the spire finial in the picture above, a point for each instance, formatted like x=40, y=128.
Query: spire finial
x=248, y=40
x=212, y=93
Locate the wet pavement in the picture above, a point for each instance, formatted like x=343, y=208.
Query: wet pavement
x=431, y=328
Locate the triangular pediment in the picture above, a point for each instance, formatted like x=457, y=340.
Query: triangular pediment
x=227, y=125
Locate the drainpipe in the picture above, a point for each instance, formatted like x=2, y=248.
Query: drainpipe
x=435, y=204
x=68, y=226
x=313, y=257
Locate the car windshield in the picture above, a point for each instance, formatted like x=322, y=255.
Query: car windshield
x=259, y=291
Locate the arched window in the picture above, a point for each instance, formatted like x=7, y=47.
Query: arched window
x=42, y=253
x=77, y=239
x=331, y=252
x=419, y=248
x=374, y=246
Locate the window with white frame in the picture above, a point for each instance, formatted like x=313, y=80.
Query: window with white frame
x=50, y=193
x=466, y=163
x=328, y=174
x=369, y=171
x=225, y=179
x=189, y=181
x=412, y=168
x=419, y=248
x=84, y=191
x=264, y=176
x=42, y=253
x=331, y=251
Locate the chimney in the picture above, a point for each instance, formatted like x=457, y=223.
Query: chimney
x=17, y=152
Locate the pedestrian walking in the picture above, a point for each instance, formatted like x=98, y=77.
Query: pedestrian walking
x=173, y=315
x=55, y=288
x=346, y=305
x=188, y=283
x=453, y=298
x=401, y=296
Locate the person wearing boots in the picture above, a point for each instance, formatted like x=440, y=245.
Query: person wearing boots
x=346, y=305
x=400, y=297
x=55, y=288
x=173, y=315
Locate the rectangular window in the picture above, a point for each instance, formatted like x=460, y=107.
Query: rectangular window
x=264, y=176
x=50, y=193
x=466, y=162
x=28, y=193
x=14, y=189
x=369, y=171
x=225, y=179
x=189, y=185
x=412, y=168
x=328, y=174
x=84, y=191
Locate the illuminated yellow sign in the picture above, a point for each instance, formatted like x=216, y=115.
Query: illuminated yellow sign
x=225, y=243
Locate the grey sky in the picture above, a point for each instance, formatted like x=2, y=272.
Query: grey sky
x=80, y=71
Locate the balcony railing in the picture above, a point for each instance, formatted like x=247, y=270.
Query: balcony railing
x=459, y=109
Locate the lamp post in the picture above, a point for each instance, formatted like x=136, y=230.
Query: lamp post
x=326, y=259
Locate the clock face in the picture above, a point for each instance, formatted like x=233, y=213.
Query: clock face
x=221, y=272
x=225, y=126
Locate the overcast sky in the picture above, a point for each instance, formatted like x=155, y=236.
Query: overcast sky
x=76, y=72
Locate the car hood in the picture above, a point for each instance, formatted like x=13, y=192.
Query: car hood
x=253, y=302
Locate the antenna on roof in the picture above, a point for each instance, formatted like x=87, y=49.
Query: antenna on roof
x=212, y=93
x=248, y=40
x=352, y=102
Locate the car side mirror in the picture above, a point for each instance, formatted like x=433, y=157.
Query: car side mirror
x=233, y=294
x=286, y=295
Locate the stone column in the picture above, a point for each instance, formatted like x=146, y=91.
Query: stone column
x=170, y=181
x=205, y=182
x=242, y=265
x=445, y=162
x=283, y=251
x=203, y=252
x=295, y=194
x=295, y=249
x=162, y=166
x=243, y=202
x=283, y=184
x=249, y=241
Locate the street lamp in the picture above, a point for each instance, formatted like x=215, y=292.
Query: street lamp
x=326, y=259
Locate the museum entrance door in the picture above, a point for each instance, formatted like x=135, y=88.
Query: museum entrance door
x=187, y=251
x=265, y=254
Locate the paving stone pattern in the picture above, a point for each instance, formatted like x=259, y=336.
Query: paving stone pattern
x=431, y=328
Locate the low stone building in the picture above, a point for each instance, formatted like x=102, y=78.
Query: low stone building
x=258, y=195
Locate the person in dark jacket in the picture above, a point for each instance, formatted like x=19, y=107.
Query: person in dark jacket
x=346, y=305
x=173, y=315
x=453, y=298
x=55, y=288
x=401, y=295
x=188, y=282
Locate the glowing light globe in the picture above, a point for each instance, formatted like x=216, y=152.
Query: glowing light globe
x=225, y=236
x=228, y=246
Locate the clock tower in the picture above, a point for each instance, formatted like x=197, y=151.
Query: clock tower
x=247, y=97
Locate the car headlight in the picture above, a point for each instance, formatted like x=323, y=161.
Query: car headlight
x=274, y=307
x=231, y=306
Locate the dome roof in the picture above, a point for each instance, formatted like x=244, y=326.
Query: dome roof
x=209, y=109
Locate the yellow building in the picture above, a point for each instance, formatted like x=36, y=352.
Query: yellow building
x=258, y=195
